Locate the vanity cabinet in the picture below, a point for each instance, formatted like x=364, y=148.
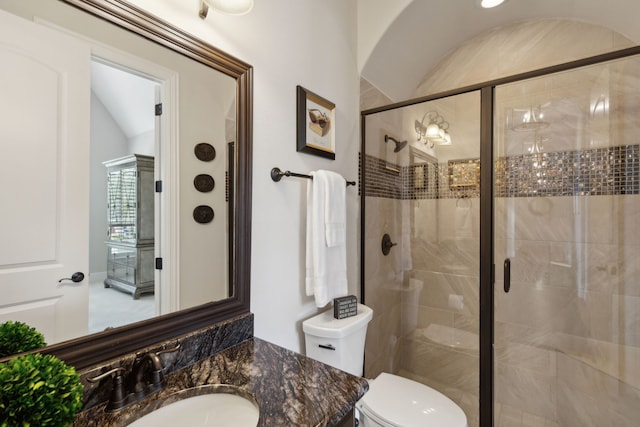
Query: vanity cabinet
x=130, y=224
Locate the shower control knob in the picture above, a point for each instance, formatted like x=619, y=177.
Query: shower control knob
x=387, y=244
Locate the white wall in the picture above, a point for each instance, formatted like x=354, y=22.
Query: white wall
x=143, y=143
x=107, y=142
x=288, y=42
x=374, y=17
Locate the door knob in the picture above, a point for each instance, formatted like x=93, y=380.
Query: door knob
x=76, y=277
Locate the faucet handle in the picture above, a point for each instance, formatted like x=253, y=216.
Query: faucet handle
x=162, y=350
x=117, y=399
x=103, y=375
x=168, y=350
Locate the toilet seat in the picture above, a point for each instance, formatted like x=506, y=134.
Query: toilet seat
x=397, y=401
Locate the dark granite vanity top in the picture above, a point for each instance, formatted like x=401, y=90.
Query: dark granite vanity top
x=290, y=389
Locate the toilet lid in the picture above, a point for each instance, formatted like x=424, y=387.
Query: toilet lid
x=402, y=402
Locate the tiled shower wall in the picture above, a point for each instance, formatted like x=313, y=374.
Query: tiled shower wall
x=586, y=372
x=567, y=342
x=409, y=289
x=572, y=318
x=595, y=172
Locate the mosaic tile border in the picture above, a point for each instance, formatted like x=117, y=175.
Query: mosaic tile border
x=593, y=172
x=596, y=172
x=428, y=180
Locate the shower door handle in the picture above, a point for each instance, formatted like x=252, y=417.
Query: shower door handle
x=507, y=275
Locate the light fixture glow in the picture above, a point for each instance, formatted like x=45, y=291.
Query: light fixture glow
x=435, y=131
x=228, y=7
x=487, y=4
x=526, y=120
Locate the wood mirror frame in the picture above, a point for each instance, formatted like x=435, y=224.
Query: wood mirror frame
x=97, y=348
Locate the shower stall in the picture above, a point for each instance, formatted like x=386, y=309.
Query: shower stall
x=508, y=277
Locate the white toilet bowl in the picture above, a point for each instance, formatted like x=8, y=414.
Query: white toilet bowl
x=391, y=401
x=396, y=401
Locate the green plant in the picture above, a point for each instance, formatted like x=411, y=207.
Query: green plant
x=38, y=390
x=17, y=337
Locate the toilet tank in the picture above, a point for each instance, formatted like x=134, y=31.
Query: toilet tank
x=338, y=342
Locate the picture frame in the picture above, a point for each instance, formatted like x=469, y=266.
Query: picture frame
x=464, y=173
x=315, y=124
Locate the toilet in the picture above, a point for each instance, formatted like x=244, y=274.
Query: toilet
x=392, y=400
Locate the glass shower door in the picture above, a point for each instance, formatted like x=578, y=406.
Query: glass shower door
x=421, y=190
x=567, y=293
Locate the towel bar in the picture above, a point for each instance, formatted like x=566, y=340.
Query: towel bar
x=277, y=174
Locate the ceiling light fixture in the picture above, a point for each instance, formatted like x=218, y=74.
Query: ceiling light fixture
x=228, y=7
x=527, y=119
x=537, y=158
x=487, y=4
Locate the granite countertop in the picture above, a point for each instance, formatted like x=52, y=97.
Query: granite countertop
x=289, y=388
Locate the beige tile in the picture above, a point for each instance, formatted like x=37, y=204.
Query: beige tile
x=538, y=360
x=470, y=404
x=510, y=416
x=527, y=390
x=628, y=218
x=442, y=365
x=517, y=48
x=467, y=323
x=530, y=420
x=534, y=335
x=451, y=256
x=601, y=226
x=370, y=96
x=591, y=266
x=626, y=320
x=497, y=411
x=382, y=342
x=586, y=314
x=588, y=380
x=579, y=409
x=627, y=269
x=532, y=304
x=529, y=262
x=441, y=291
x=429, y=315
x=524, y=218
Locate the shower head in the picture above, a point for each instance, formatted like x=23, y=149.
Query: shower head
x=399, y=144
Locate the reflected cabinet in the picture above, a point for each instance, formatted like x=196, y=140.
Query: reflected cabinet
x=130, y=224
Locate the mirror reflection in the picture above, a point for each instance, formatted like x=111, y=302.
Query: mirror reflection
x=98, y=130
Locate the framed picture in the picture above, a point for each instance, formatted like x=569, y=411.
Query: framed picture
x=464, y=173
x=315, y=121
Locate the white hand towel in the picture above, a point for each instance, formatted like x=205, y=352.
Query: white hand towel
x=463, y=219
x=326, y=266
x=335, y=209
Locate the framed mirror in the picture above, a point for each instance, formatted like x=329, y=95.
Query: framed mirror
x=200, y=272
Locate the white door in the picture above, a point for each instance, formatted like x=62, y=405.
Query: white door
x=44, y=178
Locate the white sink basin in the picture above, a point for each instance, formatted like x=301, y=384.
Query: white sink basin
x=215, y=407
